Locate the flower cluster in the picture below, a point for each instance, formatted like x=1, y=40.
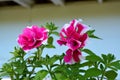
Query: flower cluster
x=65, y=66
x=74, y=36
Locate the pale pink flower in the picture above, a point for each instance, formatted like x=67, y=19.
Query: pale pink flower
x=32, y=37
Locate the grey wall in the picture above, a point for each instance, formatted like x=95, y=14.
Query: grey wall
x=104, y=18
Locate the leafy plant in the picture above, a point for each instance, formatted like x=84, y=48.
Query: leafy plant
x=37, y=67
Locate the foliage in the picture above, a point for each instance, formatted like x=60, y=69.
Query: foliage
x=37, y=67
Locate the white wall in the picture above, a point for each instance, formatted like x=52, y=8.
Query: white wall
x=104, y=18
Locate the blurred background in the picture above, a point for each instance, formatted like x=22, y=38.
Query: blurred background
x=101, y=15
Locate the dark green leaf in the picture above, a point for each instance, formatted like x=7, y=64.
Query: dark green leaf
x=47, y=57
x=111, y=75
x=82, y=71
x=92, y=72
x=101, y=67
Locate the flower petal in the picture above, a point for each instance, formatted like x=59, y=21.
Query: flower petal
x=68, y=56
x=73, y=44
x=76, y=55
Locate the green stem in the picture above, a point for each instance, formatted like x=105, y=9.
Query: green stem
x=16, y=75
x=39, y=51
x=37, y=57
x=51, y=74
x=33, y=67
x=11, y=76
x=31, y=72
x=103, y=73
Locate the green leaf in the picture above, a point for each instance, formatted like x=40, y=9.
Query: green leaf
x=41, y=75
x=102, y=67
x=111, y=75
x=50, y=40
x=82, y=71
x=20, y=67
x=55, y=33
x=62, y=69
x=53, y=59
x=47, y=57
x=3, y=74
x=88, y=51
x=48, y=26
x=19, y=70
x=107, y=59
x=26, y=78
x=50, y=46
x=38, y=63
x=91, y=34
x=81, y=77
x=113, y=68
x=92, y=72
x=7, y=67
x=88, y=63
x=51, y=26
x=104, y=58
x=54, y=65
x=116, y=64
x=93, y=58
x=18, y=52
x=54, y=28
x=60, y=76
x=111, y=57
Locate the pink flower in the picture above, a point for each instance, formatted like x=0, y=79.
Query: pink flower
x=72, y=57
x=32, y=37
x=74, y=35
